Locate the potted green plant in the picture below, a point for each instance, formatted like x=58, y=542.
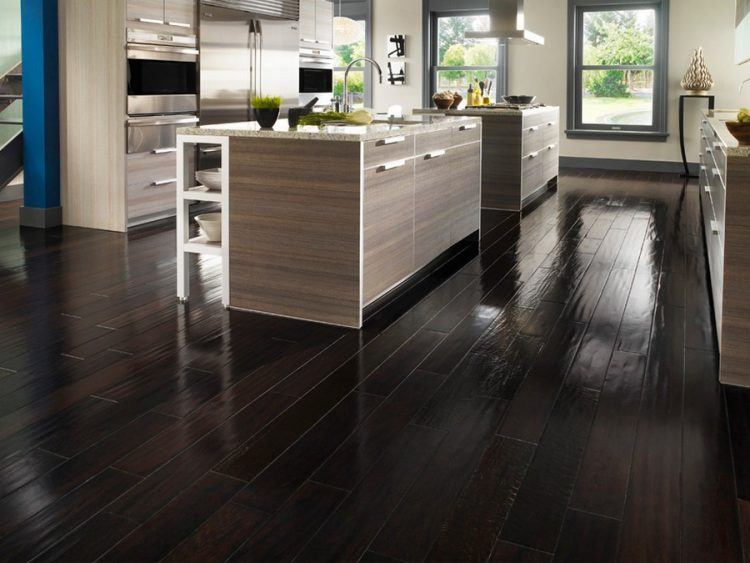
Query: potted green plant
x=266, y=110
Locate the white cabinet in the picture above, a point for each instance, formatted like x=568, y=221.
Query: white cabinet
x=316, y=24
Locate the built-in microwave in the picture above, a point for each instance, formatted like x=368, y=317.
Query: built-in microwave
x=316, y=75
x=162, y=73
x=315, y=80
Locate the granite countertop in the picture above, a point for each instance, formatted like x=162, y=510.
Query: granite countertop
x=718, y=118
x=409, y=125
x=481, y=111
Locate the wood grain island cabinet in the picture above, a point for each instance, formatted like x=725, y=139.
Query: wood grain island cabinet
x=322, y=223
x=725, y=203
x=520, y=153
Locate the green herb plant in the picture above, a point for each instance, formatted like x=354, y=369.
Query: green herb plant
x=266, y=102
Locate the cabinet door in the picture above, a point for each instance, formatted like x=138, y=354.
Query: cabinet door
x=433, y=215
x=388, y=226
x=324, y=23
x=146, y=11
x=467, y=186
x=181, y=13
x=307, y=22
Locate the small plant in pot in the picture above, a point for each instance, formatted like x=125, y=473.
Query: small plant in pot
x=266, y=110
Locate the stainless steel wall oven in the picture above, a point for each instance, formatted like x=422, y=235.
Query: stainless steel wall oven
x=162, y=73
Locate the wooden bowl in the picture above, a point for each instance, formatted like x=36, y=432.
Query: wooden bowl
x=740, y=131
x=442, y=103
x=457, y=99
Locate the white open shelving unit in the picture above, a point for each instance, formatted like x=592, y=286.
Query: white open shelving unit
x=187, y=193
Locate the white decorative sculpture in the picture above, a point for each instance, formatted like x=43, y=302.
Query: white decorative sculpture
x=697, y=79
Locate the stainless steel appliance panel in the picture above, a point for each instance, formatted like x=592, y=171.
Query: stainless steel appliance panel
x=157, y=134
x=242, y=56
x=279, y=69
x=287, y=9
x=149, y=105
x=226, y=66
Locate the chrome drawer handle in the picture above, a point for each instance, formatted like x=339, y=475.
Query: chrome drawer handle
x=715, y=227
x=180, y=24
x=149, y=20
x=392, y=165
x=306, y=40
x=533, y=154
x=715, y=172
x=391, y=141
x=467, y=127
x=210, y=150
x=158, y=183
x=436, y=154
x=165, y=150
x=532, y=129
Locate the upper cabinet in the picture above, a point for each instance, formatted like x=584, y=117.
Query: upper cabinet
x=176, y=13
x=181, y=13
x=316, y=23
x=146, y=11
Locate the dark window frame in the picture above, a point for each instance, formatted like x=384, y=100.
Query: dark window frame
x=431, y=52
x=658, y=131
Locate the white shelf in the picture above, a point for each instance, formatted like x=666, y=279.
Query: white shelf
x=201, y=245
x=202, y=193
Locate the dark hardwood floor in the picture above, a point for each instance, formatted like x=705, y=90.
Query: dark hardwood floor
x=553, y=398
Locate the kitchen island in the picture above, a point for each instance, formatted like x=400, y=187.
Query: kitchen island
x=520, y=152
x=324, y=222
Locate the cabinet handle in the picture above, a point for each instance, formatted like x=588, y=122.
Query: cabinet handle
x=467, y=127
x=550, y=147
x=533, y=154
x=715, y=172
x=149, y=20
x=718, y=146
x=550, y=123
x=707, y=189
x=180, y=24
x=715, y=227
x=158, y=183
x=532, y=129
x=436, y=154
x=392, y=165
x=165, y=150
x=391, y=141
x=210, y=150
x=305, y=40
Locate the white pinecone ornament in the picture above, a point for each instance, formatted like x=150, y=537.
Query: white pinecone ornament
x=697, y=79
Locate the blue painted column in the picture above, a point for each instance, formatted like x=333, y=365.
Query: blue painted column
x=41, y=114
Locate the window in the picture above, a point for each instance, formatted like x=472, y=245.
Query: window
x=350, y=43
x=617, y=75
x=457, y=62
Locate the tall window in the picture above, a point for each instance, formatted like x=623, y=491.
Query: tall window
x=617, y=75
x=458, y=62
x=349, y=41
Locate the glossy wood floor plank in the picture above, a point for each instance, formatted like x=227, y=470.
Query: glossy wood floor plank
x=399, y=419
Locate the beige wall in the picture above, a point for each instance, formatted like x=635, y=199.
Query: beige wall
x=543, y=70
x=391, y=17
x=707, y=23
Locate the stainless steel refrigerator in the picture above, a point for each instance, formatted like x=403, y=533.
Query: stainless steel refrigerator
x=247, y=48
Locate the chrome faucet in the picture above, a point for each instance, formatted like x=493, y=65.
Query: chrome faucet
x=347, y=106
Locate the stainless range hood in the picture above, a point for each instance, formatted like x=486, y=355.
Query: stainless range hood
x=507, y=22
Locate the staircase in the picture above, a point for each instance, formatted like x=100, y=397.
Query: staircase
x=11, y=125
